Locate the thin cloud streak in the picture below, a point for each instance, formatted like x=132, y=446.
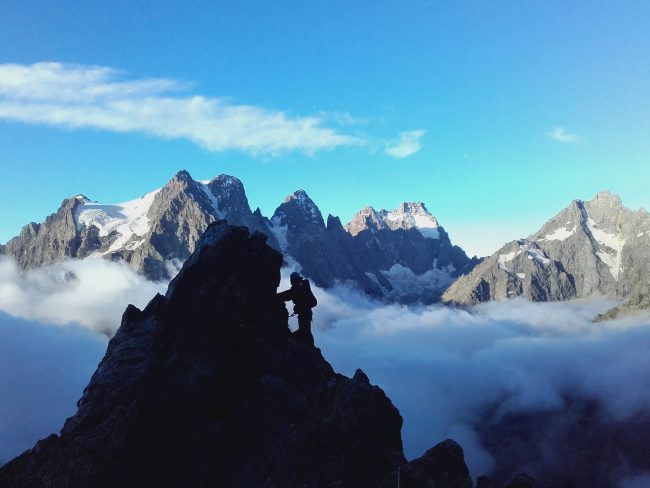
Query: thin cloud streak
x=79, y=96
x=407, y=144
x=560, y=134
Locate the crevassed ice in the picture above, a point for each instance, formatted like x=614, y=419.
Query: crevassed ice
x=127, y=218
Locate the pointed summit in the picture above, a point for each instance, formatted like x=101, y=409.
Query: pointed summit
x=183, y=175
x=297, y=211
x=409, y=215
x=365, y=219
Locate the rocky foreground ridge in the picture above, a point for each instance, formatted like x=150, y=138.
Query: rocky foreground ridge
x=206, y=387
x=402, y=255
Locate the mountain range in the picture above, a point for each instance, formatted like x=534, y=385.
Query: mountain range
x=401, y=255
x=590, y=248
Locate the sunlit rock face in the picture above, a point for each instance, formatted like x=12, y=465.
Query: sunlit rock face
x=591, y=248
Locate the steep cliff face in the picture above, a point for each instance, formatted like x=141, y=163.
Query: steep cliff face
x=206, y=387
x=53, y=240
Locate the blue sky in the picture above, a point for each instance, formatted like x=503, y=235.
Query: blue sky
x=495, y=114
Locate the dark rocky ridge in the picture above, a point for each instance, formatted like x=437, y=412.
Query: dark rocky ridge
x=206, y=387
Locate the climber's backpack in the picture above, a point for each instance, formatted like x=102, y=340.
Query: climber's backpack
x=308, y=298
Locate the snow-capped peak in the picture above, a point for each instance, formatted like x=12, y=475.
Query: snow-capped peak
x=412, y=215
x=409, y=215
x=128, y=219
x=82, y=198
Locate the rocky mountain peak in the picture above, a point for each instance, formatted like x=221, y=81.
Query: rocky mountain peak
x=605, y=196
x=412, y=215
x=597, y=247
x=334, y=223
x=82, y=198
x=408, y=215
x=365, y=219
x=229, y=198
x=297, y=211
x=182, y=175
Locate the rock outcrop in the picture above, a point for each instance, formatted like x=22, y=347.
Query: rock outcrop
x=637, y=302
x=206, y=387
x=590, y=248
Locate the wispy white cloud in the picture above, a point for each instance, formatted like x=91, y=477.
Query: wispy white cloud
x=408, y=143
x=78, y=96
x=560, y=134
x=92, y=292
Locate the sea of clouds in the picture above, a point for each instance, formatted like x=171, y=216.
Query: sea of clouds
x=444, y=368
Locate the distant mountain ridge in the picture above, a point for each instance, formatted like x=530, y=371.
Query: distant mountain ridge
x=591, y=248
x=403, y=255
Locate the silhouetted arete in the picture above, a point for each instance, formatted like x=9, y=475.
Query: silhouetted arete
x=205, y=387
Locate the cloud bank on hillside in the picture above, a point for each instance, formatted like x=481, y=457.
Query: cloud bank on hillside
x=92, y=292
x=452, y=372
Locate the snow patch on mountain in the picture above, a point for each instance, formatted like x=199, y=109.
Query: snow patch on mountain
x=613, y=247
x=505, y=258
x=127, y=219
x=535, y=253
x=559, y=234
x=280, y=233
x=411, y=215
x=214, y=202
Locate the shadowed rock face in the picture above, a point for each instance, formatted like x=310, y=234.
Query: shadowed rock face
x=206, y=387
x=385, y=254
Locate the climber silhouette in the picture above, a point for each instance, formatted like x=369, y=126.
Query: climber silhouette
x=303, y=301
